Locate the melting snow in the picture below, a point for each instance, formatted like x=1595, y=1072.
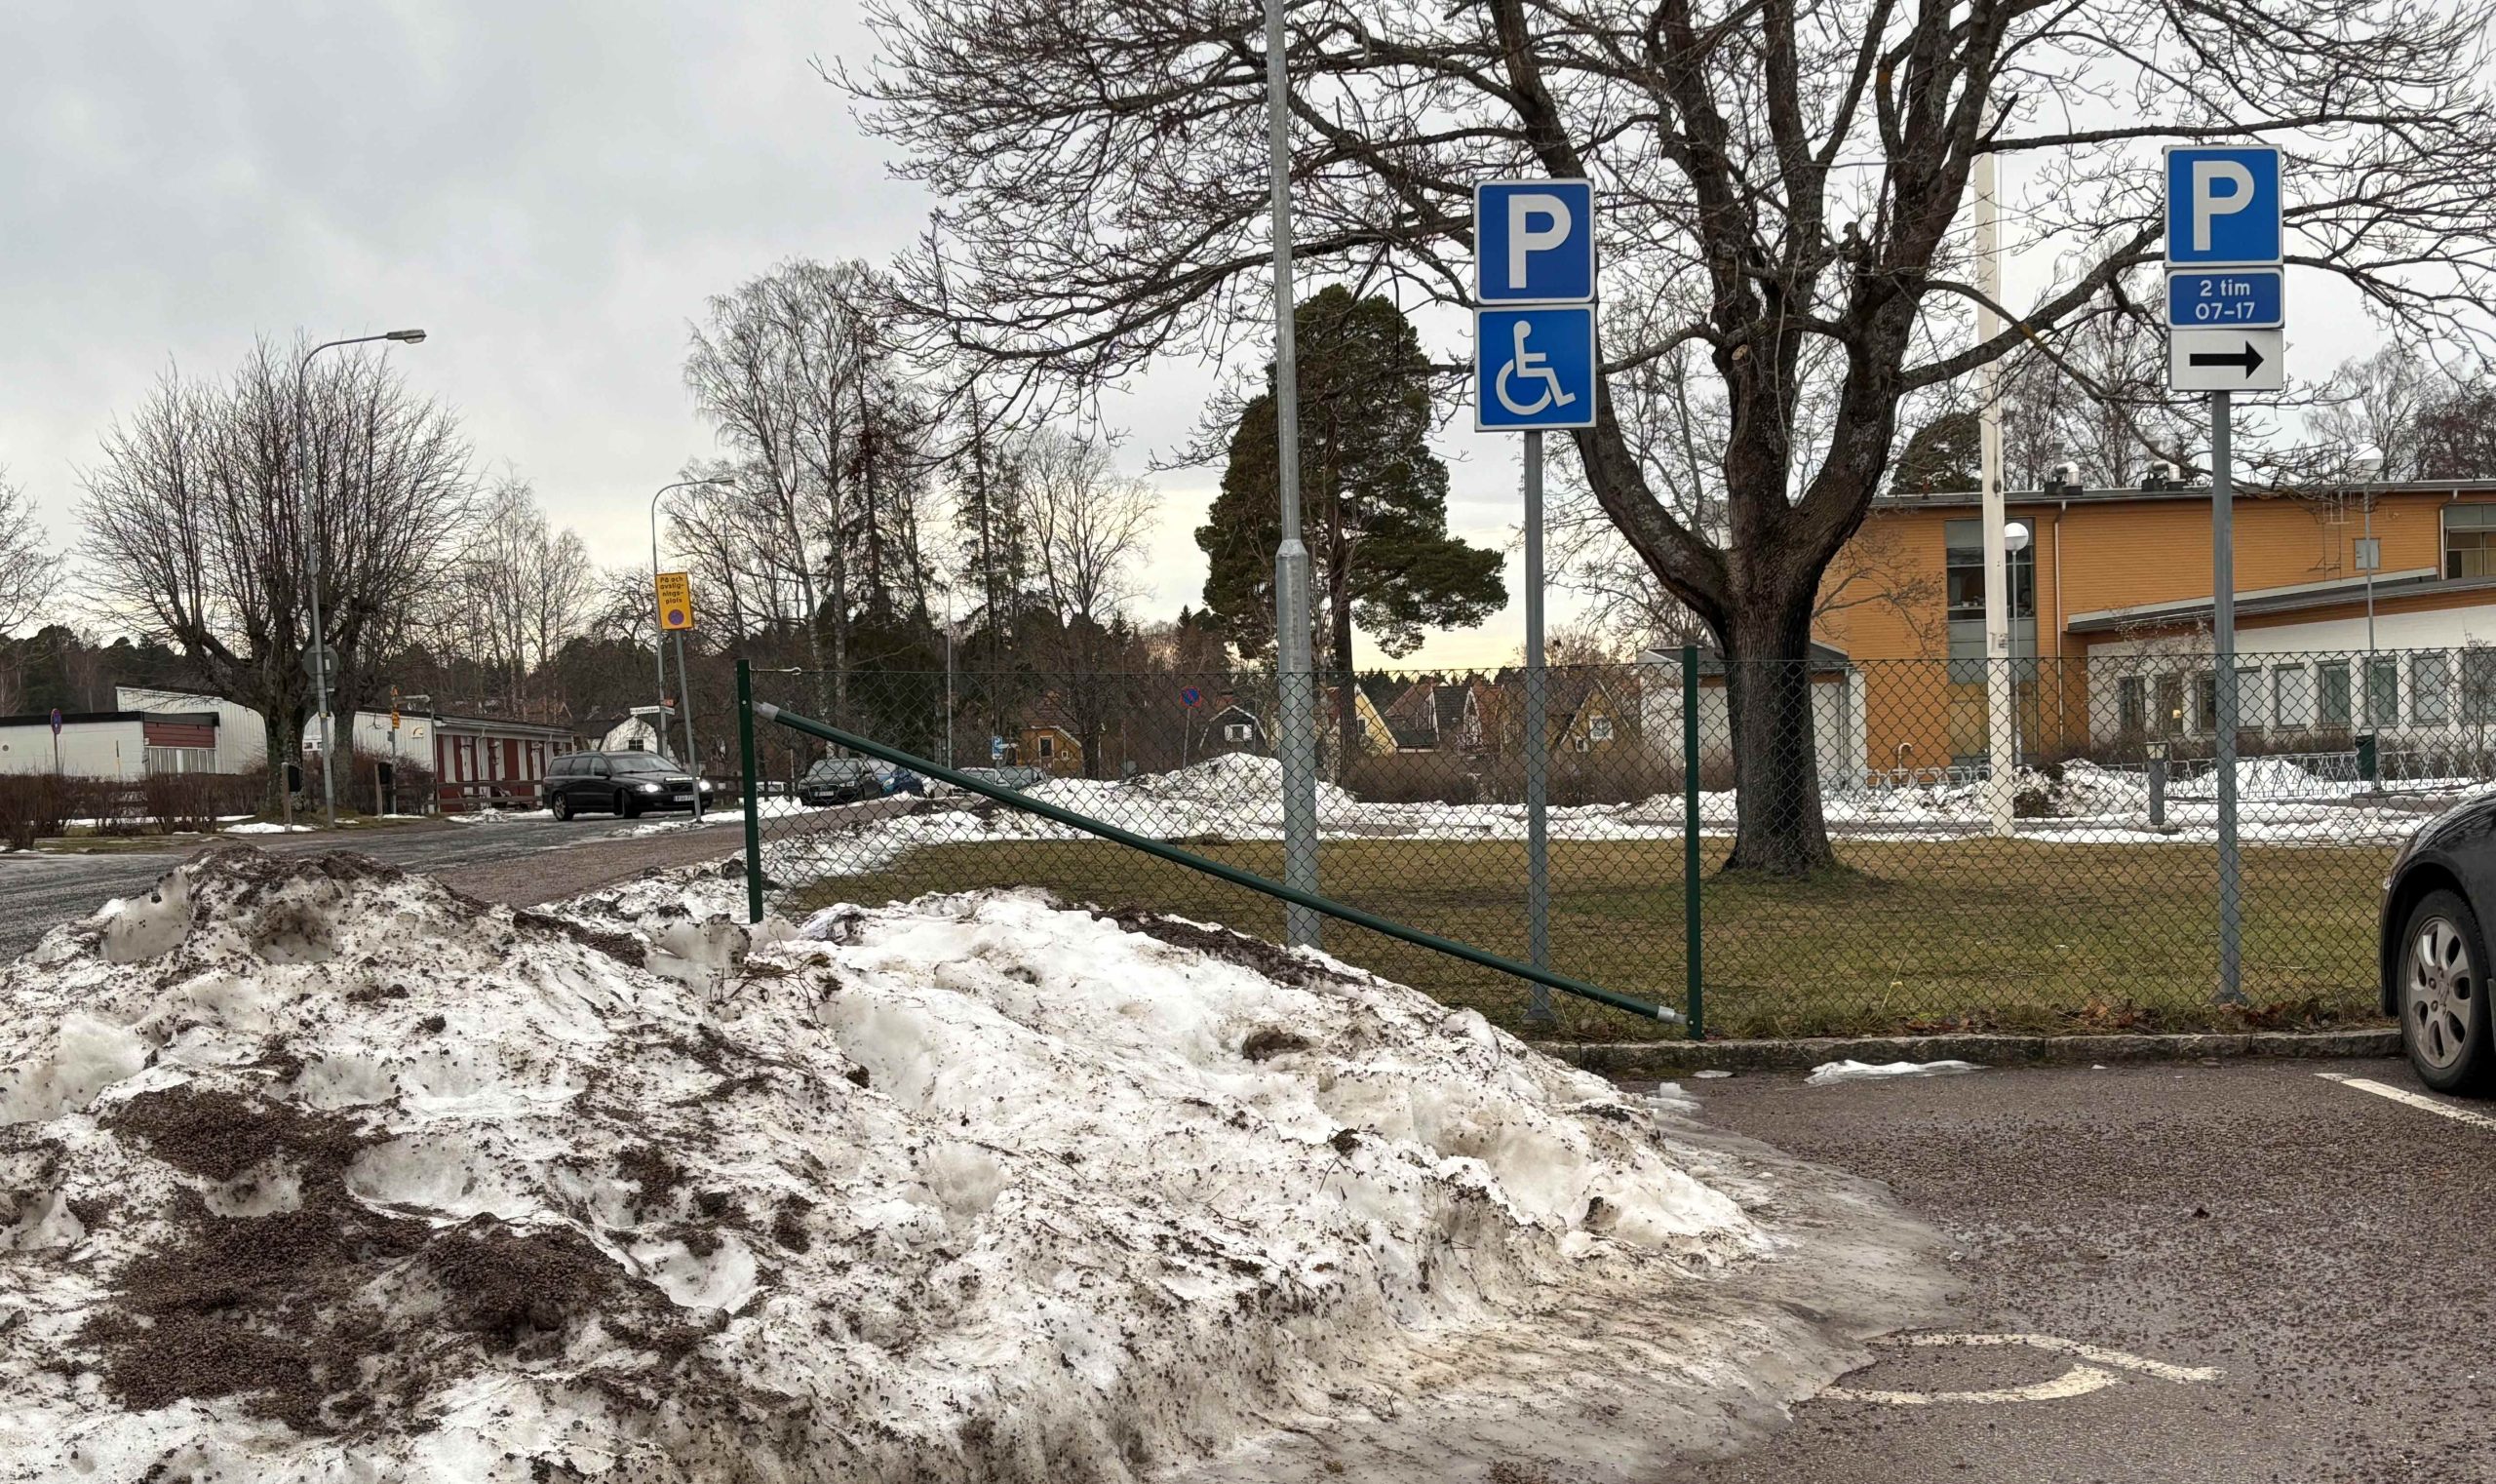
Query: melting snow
x=320, y=1171
x=1872, y=1072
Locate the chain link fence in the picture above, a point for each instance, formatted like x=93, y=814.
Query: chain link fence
x=2082, y=897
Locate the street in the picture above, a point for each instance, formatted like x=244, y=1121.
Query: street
x=2266, y=1270
x=39, y=891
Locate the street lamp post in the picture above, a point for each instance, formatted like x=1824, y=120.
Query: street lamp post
x=658, y=644
x=320, y=563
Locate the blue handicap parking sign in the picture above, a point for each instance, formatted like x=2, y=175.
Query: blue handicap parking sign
x=1534, y=242
x=1534, y=368
x=2222, y=204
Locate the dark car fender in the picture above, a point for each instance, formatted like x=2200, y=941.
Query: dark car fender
x=2456, y=850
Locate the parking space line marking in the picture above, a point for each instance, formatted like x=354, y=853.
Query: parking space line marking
x=2418, y=1099
x=2078, y=1380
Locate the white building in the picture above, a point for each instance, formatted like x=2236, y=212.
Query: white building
x=126, y=745
x=1838, y=724
x=242, y=733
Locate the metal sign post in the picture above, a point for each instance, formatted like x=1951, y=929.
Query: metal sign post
x=2001, y=703
x=1535, y=369
x=675, y=592
x=1295, y=680
x=2226, y=308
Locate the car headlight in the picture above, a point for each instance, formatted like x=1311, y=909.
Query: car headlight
x=649, y=788
x=706, y=785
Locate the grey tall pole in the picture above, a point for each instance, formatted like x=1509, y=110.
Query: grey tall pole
x=684, y=688
x=1538, y=844
x=1298, y=682
x=2223, y=662
x=658, y=723
x=320, y=560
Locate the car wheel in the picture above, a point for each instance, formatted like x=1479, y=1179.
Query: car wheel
x=560, y=807
x=625, y=807
x=2443, y=996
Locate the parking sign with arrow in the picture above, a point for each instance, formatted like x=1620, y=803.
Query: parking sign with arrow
x=2225, y=360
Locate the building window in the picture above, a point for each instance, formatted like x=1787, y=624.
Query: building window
x=181, y=760
x=2205, y=701
x=1964, y=592
x=2470, y=540
x=2332, y=682
x=1235, y=731
x=2131, y=705
x=2479, y=686
x=2171, y=704
x=1600, y=729
x=2383, y=691
x=2253, y=700
x=2431, y=679
x=1048, y=747
x=2291, y=697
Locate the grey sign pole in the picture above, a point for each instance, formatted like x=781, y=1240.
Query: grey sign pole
x=1291, y=661
x=1537, y=842
x=684, y=694
x=2223, y=661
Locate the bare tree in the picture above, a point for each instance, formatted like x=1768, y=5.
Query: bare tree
x=28, y=568
x=199, y=522
x=1780, y=181
x=1087, y=526
x=520, y=591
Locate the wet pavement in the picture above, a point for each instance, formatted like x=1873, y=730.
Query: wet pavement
x=2245, y=1272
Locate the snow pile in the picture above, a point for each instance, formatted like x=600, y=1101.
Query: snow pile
x=1827, y=1073
x=320, y=1171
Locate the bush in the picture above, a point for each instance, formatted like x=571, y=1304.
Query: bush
x=178, y=802
x=30, y=808
x=1412, y=778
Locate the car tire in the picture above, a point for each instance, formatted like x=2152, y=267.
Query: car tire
x=560, y=807
x=2443, y=996
x=625, y=806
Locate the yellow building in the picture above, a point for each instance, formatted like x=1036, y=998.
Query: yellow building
x=2112, y=599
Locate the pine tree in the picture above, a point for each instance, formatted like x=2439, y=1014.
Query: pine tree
x=1373, y=501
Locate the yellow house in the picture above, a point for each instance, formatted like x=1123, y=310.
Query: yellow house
x=2112, y=598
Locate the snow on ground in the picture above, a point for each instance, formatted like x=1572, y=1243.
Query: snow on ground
x=494, y=816
x=1827, y=1073
x=1238, y=797
x=320, y=1171
x=266, y=826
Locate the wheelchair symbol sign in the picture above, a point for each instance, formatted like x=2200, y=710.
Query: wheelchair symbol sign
x=1534, y=368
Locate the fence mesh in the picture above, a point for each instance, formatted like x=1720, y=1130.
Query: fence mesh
x=1911, y=903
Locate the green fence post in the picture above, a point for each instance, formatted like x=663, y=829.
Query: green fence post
x=1694, y=1007
x=752, y=794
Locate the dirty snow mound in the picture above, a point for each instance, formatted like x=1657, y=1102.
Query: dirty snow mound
x=319, y=1171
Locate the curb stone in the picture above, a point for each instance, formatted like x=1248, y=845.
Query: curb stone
x=1665, y=1059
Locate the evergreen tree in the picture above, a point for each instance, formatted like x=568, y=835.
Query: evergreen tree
x=1373, y=501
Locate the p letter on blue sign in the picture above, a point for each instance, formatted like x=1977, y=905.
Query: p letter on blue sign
x=1534, y=242
x=2222, y=206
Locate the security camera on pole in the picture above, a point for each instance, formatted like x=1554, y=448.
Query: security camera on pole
x=1535, y=369
x=2226, y=316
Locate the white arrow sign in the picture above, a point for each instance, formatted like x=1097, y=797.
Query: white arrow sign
x=2226, y=360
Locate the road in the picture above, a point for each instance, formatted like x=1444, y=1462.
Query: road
x=2323, y=1249
x=520, y=861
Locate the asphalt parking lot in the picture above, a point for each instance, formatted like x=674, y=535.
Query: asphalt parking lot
x=2262, y=1271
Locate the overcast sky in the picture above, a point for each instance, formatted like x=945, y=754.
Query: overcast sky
x=550, y=191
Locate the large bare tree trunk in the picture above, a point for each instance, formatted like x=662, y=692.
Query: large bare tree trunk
x=1778, y=829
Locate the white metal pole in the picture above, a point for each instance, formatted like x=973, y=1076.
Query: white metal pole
x=2000, y=764
x=2223, y=666
x=1297, y=682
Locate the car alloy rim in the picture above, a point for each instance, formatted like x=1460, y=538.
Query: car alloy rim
x=2441, y=988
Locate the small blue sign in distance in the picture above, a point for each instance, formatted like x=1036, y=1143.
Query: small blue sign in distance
x=2227, y=299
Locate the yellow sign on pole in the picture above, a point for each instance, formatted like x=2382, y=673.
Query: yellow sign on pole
x=676, y=601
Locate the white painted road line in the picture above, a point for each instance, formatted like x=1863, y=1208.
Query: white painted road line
x=2419, y=1100
x=2078, y=1380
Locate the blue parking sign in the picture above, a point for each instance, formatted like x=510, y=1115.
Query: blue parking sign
x=1533, y=369
x=2222, y=206
x=1534, y=242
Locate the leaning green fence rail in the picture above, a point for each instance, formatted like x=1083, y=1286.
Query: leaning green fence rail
x=1014, y=798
